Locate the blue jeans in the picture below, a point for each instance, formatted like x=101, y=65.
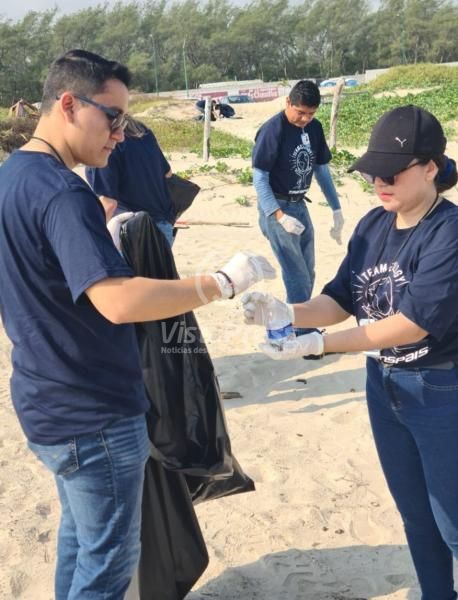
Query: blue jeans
x=295, y=253
x=167, y=230
x=100, y=483
x=414, y=419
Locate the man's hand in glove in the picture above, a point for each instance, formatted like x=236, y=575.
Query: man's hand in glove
x=114, y=227
x=241, y=272
x=336, y=230
x=291, y=224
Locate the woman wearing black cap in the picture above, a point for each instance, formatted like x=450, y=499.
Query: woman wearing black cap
x=400, y=280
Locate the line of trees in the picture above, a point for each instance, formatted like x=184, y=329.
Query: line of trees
x=163, y=42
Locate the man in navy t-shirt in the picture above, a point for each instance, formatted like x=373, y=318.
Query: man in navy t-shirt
x=68, y=302
x=136, y=178
x=291, y=147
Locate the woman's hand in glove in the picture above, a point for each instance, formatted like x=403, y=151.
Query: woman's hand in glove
x=262, y=309
x=303, y=345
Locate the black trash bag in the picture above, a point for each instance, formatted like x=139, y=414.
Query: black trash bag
x=173, y=552
x=203, y=488
x=186, y=421
x=182, y=193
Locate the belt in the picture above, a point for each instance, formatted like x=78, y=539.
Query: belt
x=294, y=198
x=443, y=366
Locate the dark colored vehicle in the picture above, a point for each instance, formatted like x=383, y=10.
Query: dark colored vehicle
x=237, y=99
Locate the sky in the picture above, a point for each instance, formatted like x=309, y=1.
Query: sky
x=17, y=10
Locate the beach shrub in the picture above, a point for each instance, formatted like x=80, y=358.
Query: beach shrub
x=420, y=75
x=359, y=112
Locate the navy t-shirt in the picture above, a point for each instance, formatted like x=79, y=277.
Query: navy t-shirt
x=73, y=371
x=412, y=271
x=135, y=177
x=289, y=153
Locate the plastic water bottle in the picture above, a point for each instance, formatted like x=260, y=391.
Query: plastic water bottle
x=279, y=328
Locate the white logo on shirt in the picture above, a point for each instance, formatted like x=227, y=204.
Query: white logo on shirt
x=376, y=295
x=302, y=165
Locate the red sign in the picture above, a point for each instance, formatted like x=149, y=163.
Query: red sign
x=260, y=94
x=213, y=95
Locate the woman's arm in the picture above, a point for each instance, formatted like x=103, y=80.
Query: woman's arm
x=396, y=330
x=319, y=312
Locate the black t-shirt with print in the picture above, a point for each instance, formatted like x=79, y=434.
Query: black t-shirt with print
x=289, y=153
x=412, y=271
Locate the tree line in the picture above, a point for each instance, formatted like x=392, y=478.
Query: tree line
x=171, y=45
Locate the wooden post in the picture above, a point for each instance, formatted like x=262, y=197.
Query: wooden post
x=335, y=111
x=207, y=128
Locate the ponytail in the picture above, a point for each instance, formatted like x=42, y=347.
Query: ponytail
x=447, y=175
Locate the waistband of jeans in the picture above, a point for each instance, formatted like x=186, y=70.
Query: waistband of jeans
x=442, y=366
x=295, y=198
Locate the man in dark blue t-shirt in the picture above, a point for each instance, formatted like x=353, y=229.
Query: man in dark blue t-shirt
x=291, y=147
x=136, y=178
x=68, y=302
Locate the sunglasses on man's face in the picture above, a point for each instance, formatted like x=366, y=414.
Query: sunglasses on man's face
x=117, y=118
x=390, y=180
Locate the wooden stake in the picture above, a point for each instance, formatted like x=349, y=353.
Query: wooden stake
x=207, y=129
x=334, y=112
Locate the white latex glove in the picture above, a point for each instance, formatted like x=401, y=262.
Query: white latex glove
x=242, y=271
x=291, y=224
x=260, y=309
x=303, y=345
x=114, y=227
x=336, y=230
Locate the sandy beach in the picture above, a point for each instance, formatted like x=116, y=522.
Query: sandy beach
x=321, y=524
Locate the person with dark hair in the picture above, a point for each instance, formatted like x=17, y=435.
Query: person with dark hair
x=291, y=147
x=200, y=105
x=68, y=302
x=136, y=178
x=400, y=280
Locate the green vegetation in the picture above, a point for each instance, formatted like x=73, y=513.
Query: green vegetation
x=245, y=176
x=275, y=40
x=358, y=113
x=187, y=136
x=141, y=102
x=243, y=200
x=415, y=76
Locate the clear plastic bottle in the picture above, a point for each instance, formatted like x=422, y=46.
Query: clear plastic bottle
x=279, y=328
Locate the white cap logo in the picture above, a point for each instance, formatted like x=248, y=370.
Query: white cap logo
x=402, y=142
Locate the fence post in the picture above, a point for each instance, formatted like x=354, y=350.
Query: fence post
x=335, y=112
x=207, y=128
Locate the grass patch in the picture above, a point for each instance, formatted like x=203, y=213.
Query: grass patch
x=415, y=76
x=243, y=201
x=187, y=136
x=358, y=113
x=141, y=102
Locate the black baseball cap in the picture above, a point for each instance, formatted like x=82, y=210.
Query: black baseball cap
x=398, y=137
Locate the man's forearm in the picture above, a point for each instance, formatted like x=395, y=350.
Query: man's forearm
x=266, y=198
x=324, y=179
x=137, y=299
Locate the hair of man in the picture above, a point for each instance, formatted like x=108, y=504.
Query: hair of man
x=305, y=93
x=83, y=73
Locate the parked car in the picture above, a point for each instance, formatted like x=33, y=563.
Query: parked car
x=349, y=82
x=237, y=99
